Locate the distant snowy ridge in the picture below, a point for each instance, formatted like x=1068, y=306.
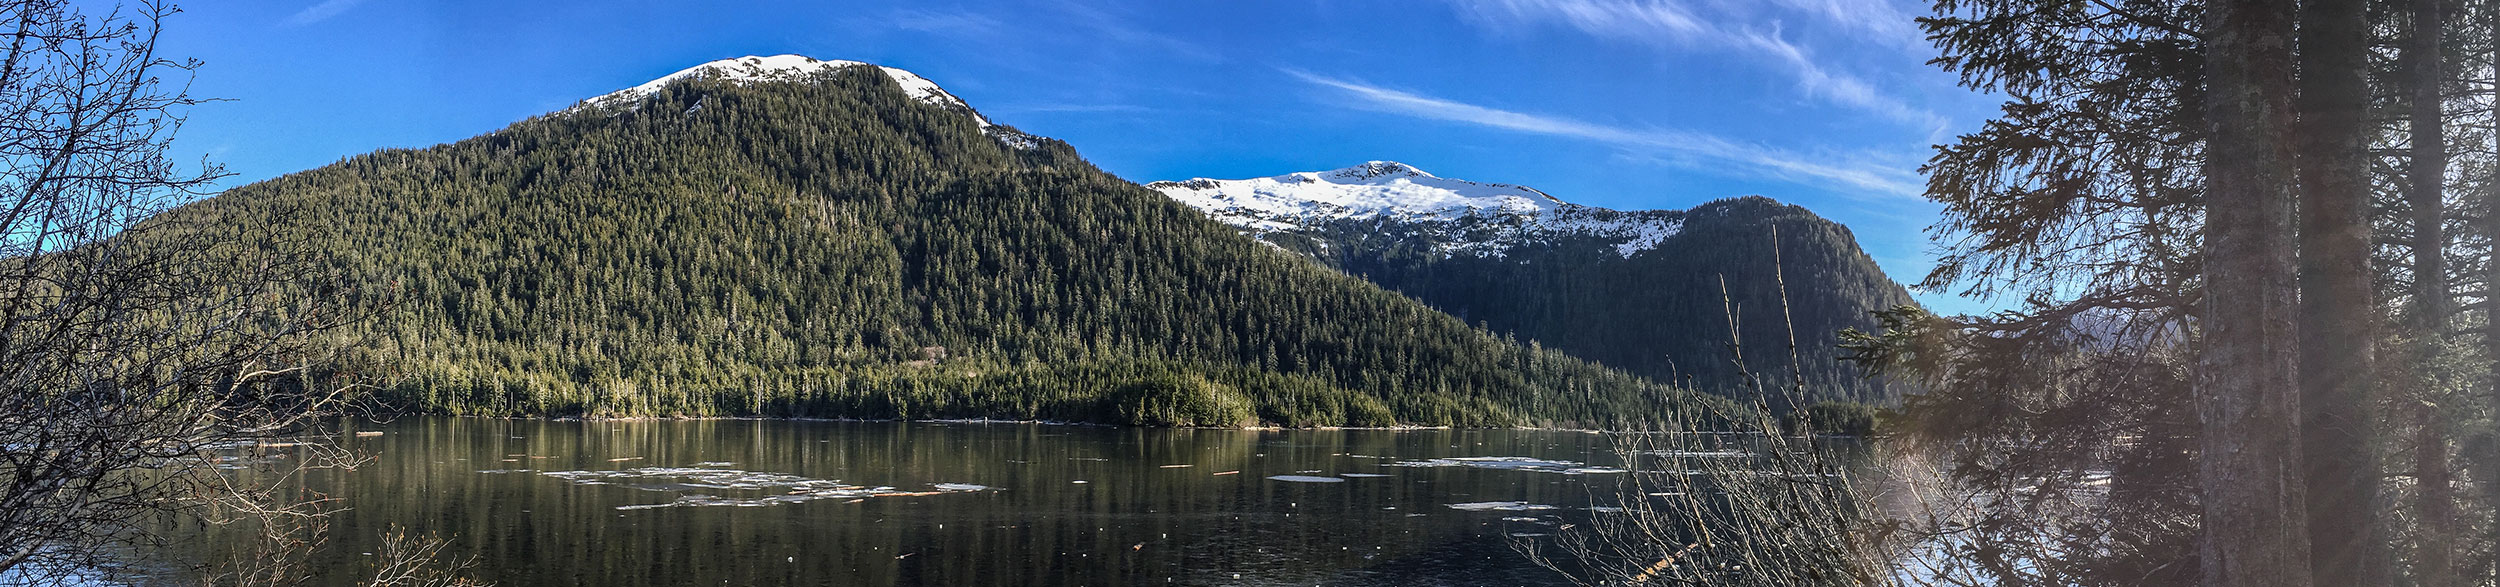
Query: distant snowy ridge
x=1378, y=188
x=1471, y=218
x=792, y=68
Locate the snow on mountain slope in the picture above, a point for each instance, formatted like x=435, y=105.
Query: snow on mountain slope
x=1378, y=188
x=750, y=69
x=1470, y=218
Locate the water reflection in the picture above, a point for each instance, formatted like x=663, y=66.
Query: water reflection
x=846, y=503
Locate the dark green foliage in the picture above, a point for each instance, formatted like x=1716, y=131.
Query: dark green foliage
x=836, y=249
x=1180, y=400
x=1660, y=312
x=1835, y=418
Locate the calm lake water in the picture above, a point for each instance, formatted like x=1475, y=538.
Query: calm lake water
x=729, y=502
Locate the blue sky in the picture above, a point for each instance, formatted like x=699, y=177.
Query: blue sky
x=1631, y=104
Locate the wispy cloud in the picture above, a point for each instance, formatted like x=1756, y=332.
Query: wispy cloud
x=1117, y=29
x=945, y=23
x=1738, y=26
x=1840, y=88
x=1040, y=23
x=1691, y=148
x=320, y=12
x=1874, y=20
x=1068, y=107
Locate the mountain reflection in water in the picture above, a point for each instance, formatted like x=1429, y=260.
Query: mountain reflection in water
x=744, y=502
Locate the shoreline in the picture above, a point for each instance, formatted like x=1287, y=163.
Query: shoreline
x=987, y=421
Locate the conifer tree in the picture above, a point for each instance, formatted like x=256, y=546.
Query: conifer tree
x=2337, y=329
x=2254, y=515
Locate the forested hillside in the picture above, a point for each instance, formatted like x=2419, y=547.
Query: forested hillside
x=1659, y=312
x=835, y=248
x=1638, y=290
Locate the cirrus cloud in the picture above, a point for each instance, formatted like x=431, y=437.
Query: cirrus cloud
x=1693, y=148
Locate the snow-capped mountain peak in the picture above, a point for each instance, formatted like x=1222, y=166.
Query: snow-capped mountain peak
x=790, y=68
x=1478, y=218
x=1377, y=169
x=1375, y=188
x=750, y=69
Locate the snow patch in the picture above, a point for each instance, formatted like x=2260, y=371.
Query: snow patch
x=783, y=68
x=1376, y=188
x=794, y=68
x=1474, y=219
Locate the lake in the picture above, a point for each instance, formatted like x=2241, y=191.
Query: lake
x=747, y=502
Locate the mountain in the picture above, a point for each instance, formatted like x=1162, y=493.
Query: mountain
x=782, y=236
x=1640, y=290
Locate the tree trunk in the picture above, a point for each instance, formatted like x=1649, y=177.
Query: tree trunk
x=2338, y=343
x=2490, y=226
x=2434, y=564
x=2425, y=67
x=2247, y=393
x=2424, y=70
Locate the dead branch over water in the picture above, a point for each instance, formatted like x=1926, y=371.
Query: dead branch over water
x=141, y=360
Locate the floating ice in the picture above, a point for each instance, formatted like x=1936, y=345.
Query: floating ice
x=1500, y=506
x=1704, y=454
x=790, y=488
x=1306, y=479
x=1510, y=463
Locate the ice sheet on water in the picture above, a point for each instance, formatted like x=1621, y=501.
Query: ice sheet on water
x=1510, y=463
x=1305, y=479
x=763, y=489
x=1701, y=454
x=1500, y=506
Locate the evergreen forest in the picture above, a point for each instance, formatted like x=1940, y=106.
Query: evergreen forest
x=834, y=248
x=1664, y=312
